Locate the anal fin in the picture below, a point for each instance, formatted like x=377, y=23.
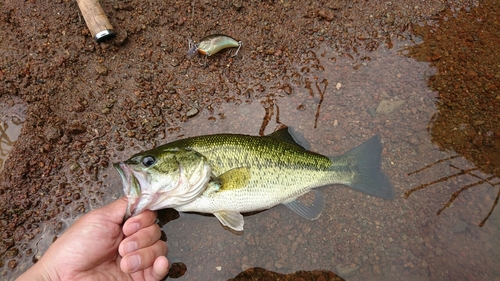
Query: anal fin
x=311, y=212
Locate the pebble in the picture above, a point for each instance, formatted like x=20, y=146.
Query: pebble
x=192, y=112
x=12, y=264
x=74, y=167
x=346, y=271
x=52, y=133
x=326, y=15
x=387, y=107
x=101, y=69
x=438, y=251
x=278, y=264
x=460, y=226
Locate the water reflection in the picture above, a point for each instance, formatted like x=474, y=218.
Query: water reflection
x=357, y=237
x=455, y=194
x=6, y=133
x=11, y=120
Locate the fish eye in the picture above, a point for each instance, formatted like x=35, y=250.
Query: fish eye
x=148, y=161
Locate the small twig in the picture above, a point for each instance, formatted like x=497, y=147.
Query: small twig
x=430, y=165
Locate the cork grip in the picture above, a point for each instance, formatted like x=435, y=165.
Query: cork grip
x=96, y=20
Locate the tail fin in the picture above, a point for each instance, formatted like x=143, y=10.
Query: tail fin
x=371, y=180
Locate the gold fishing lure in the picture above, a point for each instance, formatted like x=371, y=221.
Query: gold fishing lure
x=212, y=44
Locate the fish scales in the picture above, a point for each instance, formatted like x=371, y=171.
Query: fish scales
x=273, y=164
x=246, y=174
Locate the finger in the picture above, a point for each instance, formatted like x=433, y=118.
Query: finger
x=158, y=271
x=141, y=239
x=143, y=258
x=142, y=220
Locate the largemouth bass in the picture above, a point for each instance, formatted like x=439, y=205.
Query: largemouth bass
x=230, y=174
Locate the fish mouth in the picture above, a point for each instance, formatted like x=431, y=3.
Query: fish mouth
x=131, y=188
x=144, y=191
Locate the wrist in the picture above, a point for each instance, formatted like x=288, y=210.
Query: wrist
x=38, y=272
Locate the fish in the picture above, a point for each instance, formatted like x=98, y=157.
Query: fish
x=228, y=175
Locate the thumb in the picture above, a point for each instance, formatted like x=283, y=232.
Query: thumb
x=115, y=211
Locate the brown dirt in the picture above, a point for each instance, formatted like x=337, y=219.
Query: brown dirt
x=464, y=50
x=266, y=275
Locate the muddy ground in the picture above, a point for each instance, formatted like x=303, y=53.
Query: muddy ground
x=89, y=103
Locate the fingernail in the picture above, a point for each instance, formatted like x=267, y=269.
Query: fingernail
x=134, y=227
x=130, y=247
x=134, y=262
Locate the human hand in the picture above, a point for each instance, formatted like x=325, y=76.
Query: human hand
x=96, y=247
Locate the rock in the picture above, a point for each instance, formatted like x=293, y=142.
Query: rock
x=121, y=37
x=12, y=253
x=101, y=69
x=460, y=226
x=52, y=133
x=387, y=107
x=287, y=89
x=257, y=273
x=177, y=269
x=326, y=15
x=192, y=112
x=74, y=167
x=76, y=129
x=346, y=271
x=12, y=264
x=372, y=112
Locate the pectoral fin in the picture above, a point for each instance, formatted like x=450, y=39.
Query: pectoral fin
x=233, y=220
x=234, y=178
x=311, y=212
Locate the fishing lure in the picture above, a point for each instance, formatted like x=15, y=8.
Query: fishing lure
x=212, y=44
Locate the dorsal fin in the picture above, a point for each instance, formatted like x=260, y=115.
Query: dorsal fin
x=286, y=136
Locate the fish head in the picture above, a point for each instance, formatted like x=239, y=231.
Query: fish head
x=163, y=178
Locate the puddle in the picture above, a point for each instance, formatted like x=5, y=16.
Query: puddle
x=425, y=236
x=12, y=116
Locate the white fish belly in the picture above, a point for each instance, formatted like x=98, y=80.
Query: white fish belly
x=259, y=194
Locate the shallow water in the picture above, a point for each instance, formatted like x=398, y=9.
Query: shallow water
x=358, y=237
x=12, y=115
x=10, y=131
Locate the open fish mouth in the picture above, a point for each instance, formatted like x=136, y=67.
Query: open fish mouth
x=131, y=187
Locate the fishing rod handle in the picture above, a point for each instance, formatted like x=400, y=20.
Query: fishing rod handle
x=99, y=25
